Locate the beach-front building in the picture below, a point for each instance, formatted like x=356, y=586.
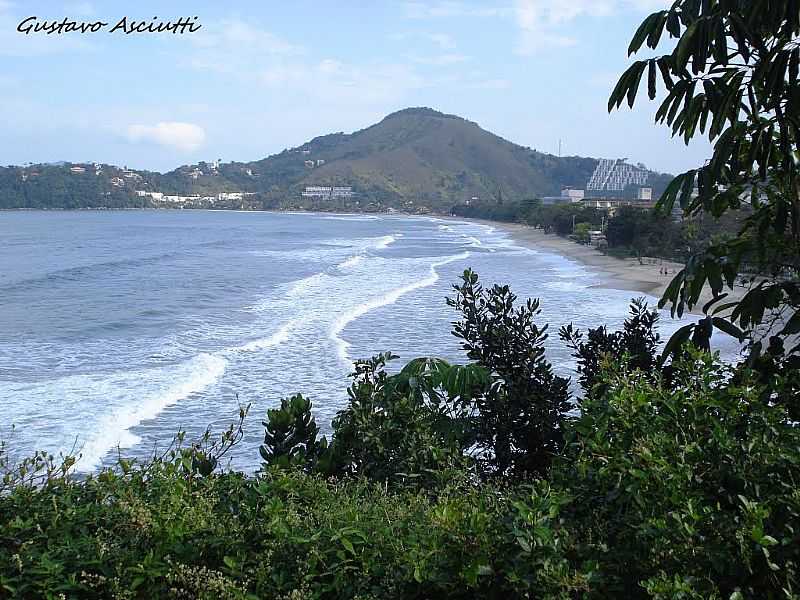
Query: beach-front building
x=568, y=196
x=230, y=196
x=614, y=175
x=327, y=192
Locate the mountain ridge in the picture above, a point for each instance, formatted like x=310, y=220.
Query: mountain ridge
x=416, y=158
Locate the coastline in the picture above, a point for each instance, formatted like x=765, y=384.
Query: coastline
x=615, y=273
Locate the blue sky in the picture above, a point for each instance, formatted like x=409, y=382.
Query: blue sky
x=263, y=76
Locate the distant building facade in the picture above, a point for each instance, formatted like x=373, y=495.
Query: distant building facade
x=568, y=196
x=614, y=175
x=327, y=192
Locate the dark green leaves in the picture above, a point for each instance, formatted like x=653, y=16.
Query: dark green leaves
x=733, y=73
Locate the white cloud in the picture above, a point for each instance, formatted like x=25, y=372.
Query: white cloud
x=252, y=56
x=185, y=137
x=490, y=84
x=545, y=23
x=541, y=23
x=333, y=82
x=234, y=45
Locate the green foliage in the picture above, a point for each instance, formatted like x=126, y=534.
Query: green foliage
x=405, y=428
x=635, y=346
x=290, y=437
x=153, y=532
x=581, y=232
x=692, y=487
x=507, y=407
x=688, y=490
x=732, y=74
x=411, y=428
x=520, y=418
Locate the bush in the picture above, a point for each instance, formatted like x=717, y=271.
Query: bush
x=636, y=344
x=692, y=485
x=156, y=533
x=521, y=416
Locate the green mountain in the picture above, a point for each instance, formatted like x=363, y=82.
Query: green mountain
x=416, y=159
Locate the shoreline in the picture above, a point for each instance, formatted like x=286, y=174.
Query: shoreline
x=615, y=273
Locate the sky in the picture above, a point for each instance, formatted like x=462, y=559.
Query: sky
x=262, y=76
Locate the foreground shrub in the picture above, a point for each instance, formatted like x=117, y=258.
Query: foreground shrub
x=158, y=533
x=691, y=490
x=521, y=416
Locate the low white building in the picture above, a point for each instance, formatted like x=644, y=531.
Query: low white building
x=230, y=196
x=327, y=192
x=573, y=195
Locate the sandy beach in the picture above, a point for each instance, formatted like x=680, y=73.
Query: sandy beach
x=617, y=273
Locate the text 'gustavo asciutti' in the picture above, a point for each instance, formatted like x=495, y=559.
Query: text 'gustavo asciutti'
x=124, y=25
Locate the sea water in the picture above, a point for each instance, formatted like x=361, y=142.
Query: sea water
x=119, y=328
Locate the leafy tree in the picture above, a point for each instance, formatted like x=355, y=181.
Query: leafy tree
x=635, y=345
x=404, y=428
x=582, y=232
x=521, y=417
x=732, y=74
x=290, y=438
x=409, y=426
x=624, y=226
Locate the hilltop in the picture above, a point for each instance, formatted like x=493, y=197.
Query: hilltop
x=416, y=159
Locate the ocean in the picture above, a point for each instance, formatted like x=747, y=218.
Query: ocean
x=118, y=328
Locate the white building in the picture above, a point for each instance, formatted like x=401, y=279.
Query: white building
x=230, y=196
x=326, y=193
x=572, y=195
x=614, y=175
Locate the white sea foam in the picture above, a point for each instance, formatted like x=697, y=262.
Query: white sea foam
x=474, y=242
x=351, y=262
x=279, y=337
x=168, y=386
x=565, y=286
x=352, y=218
x=387, y=240
x=380, y=243
x=388, y=298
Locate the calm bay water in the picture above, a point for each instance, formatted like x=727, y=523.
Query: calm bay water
x=119, y=328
